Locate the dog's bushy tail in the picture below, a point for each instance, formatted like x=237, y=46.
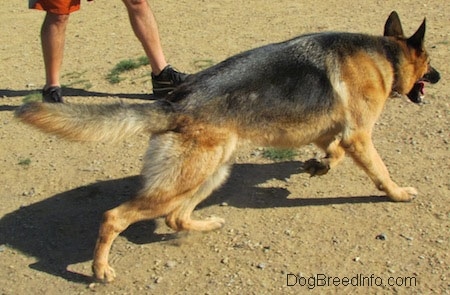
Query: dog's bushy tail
x=97, y=122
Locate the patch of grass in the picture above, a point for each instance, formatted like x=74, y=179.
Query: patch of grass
x=24, y=162
x=76, y=78
x=86, y=84
x=142, y=60
x=74, y=75
x=113, y=76
x=275, y=154
x=35, y=96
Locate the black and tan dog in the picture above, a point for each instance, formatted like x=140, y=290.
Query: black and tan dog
x=325, y=88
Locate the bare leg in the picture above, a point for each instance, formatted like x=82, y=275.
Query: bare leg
x=145, y=27
x=52, y=38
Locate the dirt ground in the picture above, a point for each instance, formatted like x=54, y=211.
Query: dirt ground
x=286, y=233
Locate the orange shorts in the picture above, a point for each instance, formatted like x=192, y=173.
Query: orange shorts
x=55, y=6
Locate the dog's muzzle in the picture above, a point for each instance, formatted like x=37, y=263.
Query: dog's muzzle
x=418, y=91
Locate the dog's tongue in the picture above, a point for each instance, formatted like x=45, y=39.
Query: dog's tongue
x=417, y=92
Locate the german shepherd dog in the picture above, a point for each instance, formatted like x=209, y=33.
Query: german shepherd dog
x=325, y=88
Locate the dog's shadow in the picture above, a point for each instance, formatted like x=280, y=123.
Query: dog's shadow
x=62, y=229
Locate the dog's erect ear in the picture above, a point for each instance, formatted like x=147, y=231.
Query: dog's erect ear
x=416, y=40
x=393, y=26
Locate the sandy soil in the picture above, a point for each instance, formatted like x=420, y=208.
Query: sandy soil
x=280, y=223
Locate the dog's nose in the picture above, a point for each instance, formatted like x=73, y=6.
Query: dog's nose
x=437, y=78
x=432, y=76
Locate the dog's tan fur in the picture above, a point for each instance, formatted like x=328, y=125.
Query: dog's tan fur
x=194, y=134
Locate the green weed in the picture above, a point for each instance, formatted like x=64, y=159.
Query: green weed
x=25, y=162
x=275, y=154
x=34, y=96
x=113, y=76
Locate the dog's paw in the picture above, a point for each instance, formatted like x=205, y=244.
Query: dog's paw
x=104, y=273
x=215, y=222
x=208, y=224
x=315, y=167
x=404, y=194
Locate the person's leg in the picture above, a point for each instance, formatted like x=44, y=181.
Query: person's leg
x=146, y=30
x=52, y=39
x=164, y=78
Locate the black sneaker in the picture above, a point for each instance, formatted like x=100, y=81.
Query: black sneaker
x=166, y=81
x=52, y=94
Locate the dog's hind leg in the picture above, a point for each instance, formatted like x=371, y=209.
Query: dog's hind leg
x=179, y=171
x=117, y=220
x=178, y=210
x=359, y=145
x=180, y=218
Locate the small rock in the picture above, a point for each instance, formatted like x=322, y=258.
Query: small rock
x=256, y=153
x=356, y=259
x=406, y=237
x=224, y=260
x=261, y=265
x=381, y=237
x=171, y=264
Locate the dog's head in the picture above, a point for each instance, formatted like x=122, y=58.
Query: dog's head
x=414, y=67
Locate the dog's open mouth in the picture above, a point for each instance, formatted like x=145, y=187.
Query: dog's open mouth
x=417, y=93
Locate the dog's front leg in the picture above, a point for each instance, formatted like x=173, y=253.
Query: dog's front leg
x=334, y=154
x=359, y=145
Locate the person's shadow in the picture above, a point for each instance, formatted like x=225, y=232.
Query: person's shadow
x=62, y=230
